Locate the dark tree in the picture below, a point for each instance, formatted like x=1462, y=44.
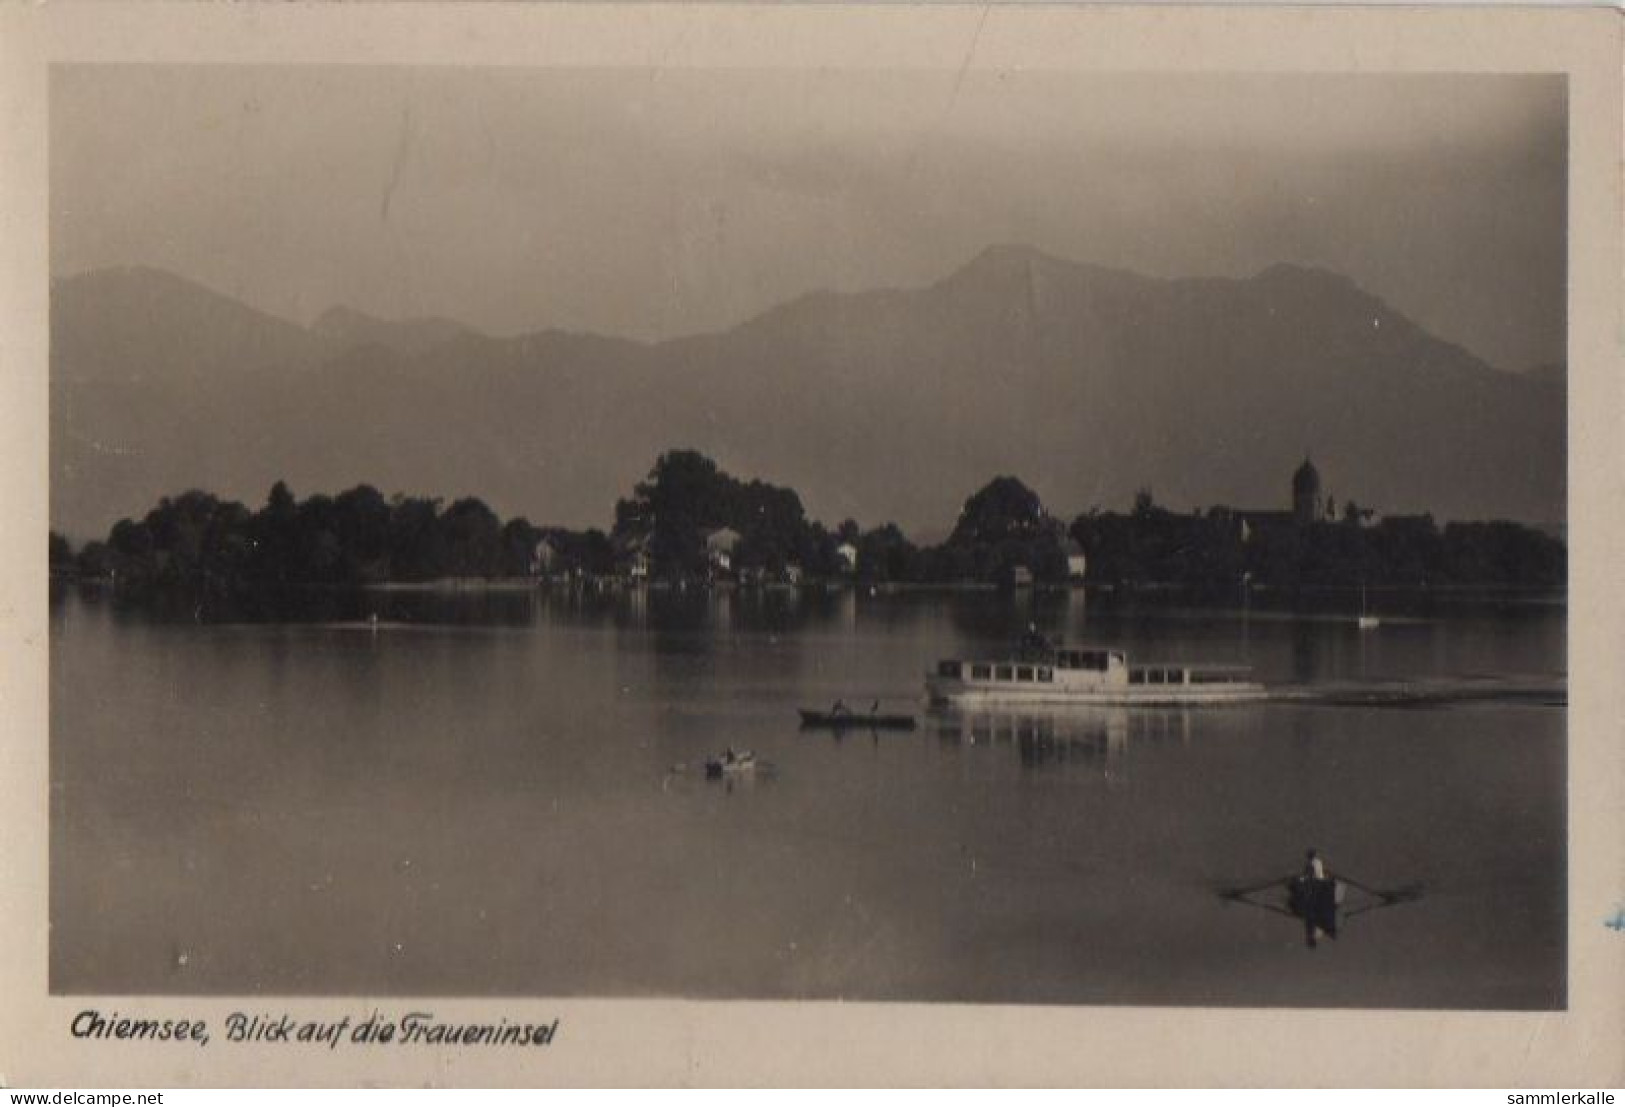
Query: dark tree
x=95, y=560
x=686, y=497
x=417, y=550
x=275, y=537
x=1001, y=528
x=1003, y=509
x=473, y=536
x=361, y=520
x=886, y=554
x=518, y=547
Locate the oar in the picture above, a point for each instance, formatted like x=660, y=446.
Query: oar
x=1241, y=893
x=1352, y=883
x=1398, y=895
x=1279, y=910
x=1391, y=899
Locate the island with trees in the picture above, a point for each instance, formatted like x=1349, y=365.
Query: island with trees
x=691, y=523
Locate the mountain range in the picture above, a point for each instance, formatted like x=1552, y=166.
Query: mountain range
x=1088, y=383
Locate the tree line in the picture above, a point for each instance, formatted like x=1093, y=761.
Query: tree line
x=196, y=540
x=1220, y=548
x=671, y=519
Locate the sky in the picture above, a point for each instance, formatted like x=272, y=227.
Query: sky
x=657, y=203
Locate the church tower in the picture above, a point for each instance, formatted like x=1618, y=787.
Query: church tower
x=1305, y=494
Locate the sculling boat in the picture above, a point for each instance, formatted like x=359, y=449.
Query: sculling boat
x=730, y=762
x=1318, y=900
x=1044, y=674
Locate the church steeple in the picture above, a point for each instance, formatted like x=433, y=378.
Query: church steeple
x=1306, y=493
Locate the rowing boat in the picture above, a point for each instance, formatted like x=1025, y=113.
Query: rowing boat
x=742, y=761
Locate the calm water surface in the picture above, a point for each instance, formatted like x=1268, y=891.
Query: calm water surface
x=500, y=794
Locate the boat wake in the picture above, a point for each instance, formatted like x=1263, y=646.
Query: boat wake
x=1441, y=692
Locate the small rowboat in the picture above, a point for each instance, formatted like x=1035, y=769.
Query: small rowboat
x=854, y=720
x=1318, y=902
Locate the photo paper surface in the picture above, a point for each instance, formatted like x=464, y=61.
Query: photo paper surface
x=648, y=545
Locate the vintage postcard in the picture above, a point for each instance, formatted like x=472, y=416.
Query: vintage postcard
x=811, y=544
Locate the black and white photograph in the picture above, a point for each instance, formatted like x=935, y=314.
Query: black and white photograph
x=1002, y=535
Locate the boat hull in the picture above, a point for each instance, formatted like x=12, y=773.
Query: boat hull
x=855, y=721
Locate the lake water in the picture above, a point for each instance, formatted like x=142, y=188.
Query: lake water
x=500, y=794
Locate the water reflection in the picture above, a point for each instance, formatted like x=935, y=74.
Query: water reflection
x=1095, y=736
x=502, y=792
x=1305, y=651
x=1000, y=618
x=832, y=626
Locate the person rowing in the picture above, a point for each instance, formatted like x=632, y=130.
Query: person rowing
x=1313, y=897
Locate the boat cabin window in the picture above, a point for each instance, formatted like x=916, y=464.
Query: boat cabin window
x=981, y=672
x=1046, y=675
x=1136, y=676
x=1004, y=672
x=1157, y=676
x=1024, y=672
x=948, y=668
x=1199, y=676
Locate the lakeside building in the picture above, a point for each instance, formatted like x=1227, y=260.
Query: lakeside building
x=1307, y=508
x=1306, y=494
x=632, y=559
x=1077, y=562
x=546, y=556
x=719, y=548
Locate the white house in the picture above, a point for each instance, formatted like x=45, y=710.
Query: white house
x=848, y=553
x=633, y=560
x=1076, y=561
x=546, y=556
x=719, y=547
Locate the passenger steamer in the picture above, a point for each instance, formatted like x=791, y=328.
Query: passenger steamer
x=1059, y=676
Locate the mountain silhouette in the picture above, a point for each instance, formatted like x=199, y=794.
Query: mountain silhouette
x=1087, y=382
